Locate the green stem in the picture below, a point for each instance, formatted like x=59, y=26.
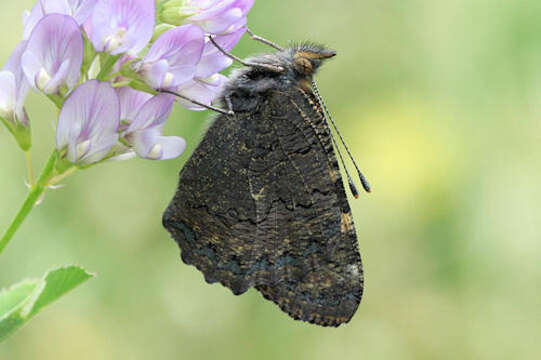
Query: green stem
x=62, y=176
x=112, y=76
x=57, y=100
x=121, y=84
x=107, y=65
x=29, y=168
x=30, y=201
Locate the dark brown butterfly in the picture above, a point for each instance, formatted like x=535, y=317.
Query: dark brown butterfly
x=261, y=202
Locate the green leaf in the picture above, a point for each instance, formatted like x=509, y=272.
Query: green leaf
x=10, y=298
x=21, y=133
x=22, y=301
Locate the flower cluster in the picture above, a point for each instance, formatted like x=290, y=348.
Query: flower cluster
x=104, y=62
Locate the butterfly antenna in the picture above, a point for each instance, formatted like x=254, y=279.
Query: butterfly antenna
x=352, y=186
x=364, y=182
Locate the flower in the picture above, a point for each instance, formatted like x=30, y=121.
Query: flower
x=30, y=20
x=54, y=54
x=202, y=90
x=214, y=16
x=172, y=60
x=146, y=121
x=213, y=60
x=13, y=89
x=220, y=16
x=80, y=10
x=121, y=26
x=55, y=57
x=88, y=123
x=131, y=102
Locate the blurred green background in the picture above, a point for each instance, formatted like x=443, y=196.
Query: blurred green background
x=440, y=102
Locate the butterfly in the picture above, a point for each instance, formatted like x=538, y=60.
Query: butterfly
x=261, y=202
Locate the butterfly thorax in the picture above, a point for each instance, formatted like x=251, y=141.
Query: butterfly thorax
x=298, y=65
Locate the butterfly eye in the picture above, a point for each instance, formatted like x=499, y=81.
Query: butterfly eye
x=303, y=65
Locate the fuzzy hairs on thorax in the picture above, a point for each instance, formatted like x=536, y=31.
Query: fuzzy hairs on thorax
x=297, y=64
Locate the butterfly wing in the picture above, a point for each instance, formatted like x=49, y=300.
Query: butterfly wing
x=261, y=204
x=323, y=281
x=212, y=216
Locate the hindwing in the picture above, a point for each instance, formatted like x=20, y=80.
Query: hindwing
x=261, y=204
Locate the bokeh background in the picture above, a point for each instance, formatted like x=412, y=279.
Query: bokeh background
x=440, y=101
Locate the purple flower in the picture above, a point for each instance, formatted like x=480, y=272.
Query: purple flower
x=88, y=123
x=131, y=102
x=213, y=60
x=172, y=59
x=218, y=16
x=30, y=20
x=146, y=121
x=121, y=26
x=202, y=90
x=54, y=54
x=13, y=89
x=80, y=10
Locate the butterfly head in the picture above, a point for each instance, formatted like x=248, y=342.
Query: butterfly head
x=306, y=58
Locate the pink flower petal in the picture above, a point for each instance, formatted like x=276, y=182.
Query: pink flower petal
x=88, y=122
x=122, y=26
x=153, y=113
x=173, y=57
x=54, y=48
x=131, y=102
x=151, y=145
x=202, y=90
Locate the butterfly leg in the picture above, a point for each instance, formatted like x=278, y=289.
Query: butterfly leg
x=209, y=107
x=263, y=40
x=269, y=67
x=228, y=102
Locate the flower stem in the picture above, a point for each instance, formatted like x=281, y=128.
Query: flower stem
x=29, y=168
x=57, y=100
x=62, y=176
x=107, y=65
x=31, y=199
x=121, y=84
